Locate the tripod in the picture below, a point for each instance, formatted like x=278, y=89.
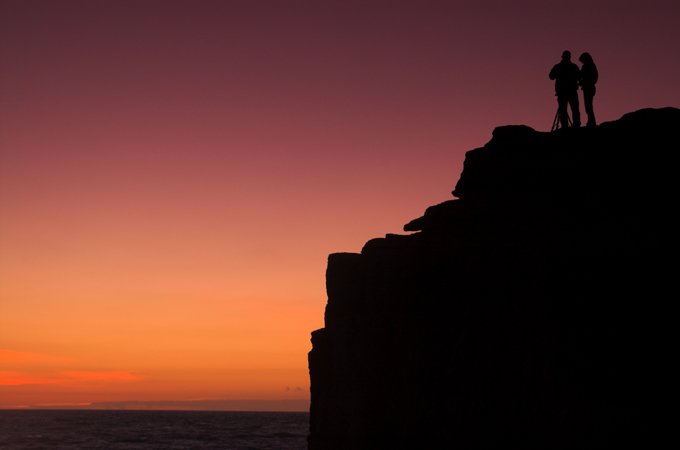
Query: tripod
x=557, y=122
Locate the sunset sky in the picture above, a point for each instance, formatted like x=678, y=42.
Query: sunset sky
x=174, y=174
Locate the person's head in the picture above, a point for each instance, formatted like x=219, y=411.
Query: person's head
x=585, y=58
x=566, y=55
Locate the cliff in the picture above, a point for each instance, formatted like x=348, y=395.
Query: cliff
x=535, y=310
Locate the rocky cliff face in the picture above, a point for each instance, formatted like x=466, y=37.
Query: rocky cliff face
x=535, y=310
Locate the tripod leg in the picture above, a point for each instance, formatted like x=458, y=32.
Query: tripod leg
x=556, y=122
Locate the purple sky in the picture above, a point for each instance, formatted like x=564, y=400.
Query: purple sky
x=177, y=172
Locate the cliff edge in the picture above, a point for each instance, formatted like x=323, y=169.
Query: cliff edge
x=535, y=310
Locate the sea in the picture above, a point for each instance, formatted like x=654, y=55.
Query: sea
x=132, y=430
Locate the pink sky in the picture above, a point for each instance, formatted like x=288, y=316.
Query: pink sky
x=173, y=174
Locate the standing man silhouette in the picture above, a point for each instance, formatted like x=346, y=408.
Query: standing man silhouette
x=588, y=80
x=567, y=76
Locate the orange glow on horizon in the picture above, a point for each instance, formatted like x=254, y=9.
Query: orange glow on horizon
x=10, y=356
x=62, y=377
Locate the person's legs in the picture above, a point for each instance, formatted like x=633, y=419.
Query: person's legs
x=575, y=113
x=588, y=95
x=562, y=109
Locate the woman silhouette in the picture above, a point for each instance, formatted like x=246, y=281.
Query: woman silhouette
x=588, y=80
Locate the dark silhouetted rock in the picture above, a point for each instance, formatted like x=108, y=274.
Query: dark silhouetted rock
x=535, y=311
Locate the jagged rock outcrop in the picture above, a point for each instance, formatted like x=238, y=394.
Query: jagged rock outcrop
x=534, y=311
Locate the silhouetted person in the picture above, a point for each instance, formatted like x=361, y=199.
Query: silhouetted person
x=567, y=76
x=588, y=80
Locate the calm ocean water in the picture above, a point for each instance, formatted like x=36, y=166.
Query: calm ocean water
x=132, y=430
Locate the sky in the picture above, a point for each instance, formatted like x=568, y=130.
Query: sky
x=174, y=174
